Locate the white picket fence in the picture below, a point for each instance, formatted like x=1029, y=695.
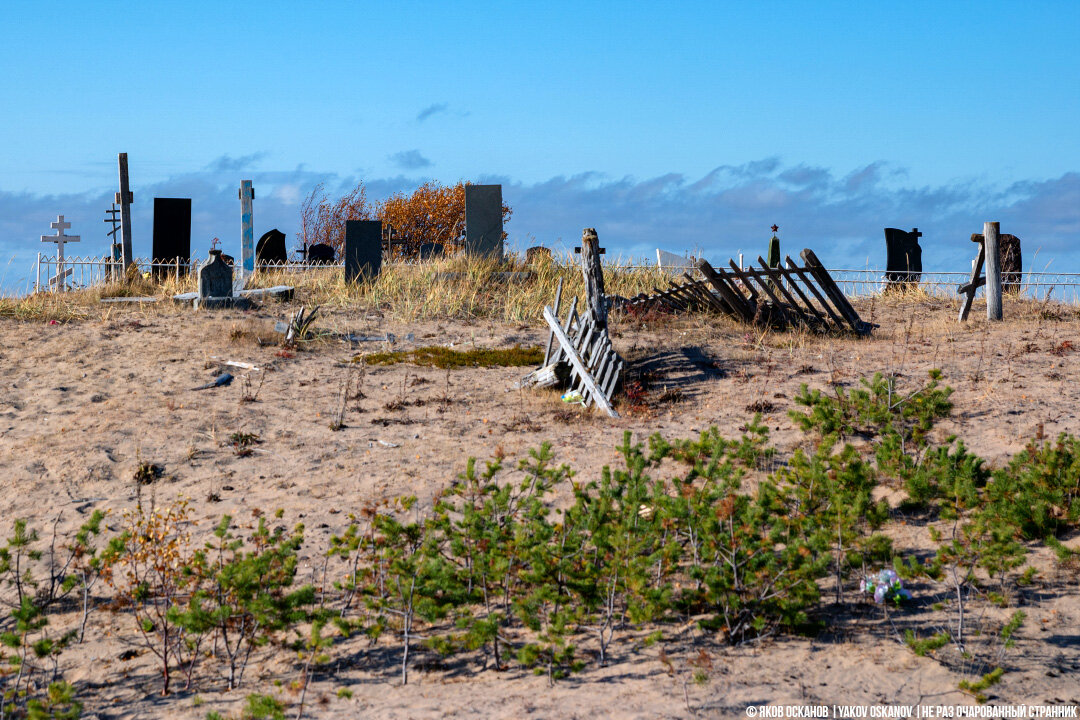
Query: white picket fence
x=90, y=271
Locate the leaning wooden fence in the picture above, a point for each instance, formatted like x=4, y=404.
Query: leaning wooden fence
x=788, y=295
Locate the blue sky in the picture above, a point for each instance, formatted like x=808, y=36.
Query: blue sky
x=687, y=127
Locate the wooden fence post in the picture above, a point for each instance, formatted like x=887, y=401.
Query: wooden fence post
x=595, y=301
x=993, y=270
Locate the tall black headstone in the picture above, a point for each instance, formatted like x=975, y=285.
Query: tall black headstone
x=484, y=221
x=271, y=249
x=172, y=231
x=903, y=262
x=363, y=249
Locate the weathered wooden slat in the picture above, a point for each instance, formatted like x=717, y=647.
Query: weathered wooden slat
x=766, y=287
x=712, y=301
x=973, y=285
x=814, y=266
x=609, y=386
x=777, y=284
x=739, y=273
x=734, y=300
x=818, y=317
x=555, y=309
x=801, y=273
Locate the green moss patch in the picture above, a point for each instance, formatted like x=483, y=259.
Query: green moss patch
x=444, y=357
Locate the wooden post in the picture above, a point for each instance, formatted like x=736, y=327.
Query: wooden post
x=993, y=270
x=124, y=198
x=595, y=301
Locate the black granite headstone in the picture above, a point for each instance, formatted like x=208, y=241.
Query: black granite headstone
x=484, y=220
x=271, y=249
x=172, y=232
x=363, y=249
x=903, y=263
x=430, y=250
x=320, y=254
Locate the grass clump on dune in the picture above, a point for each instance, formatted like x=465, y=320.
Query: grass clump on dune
x=447, y=358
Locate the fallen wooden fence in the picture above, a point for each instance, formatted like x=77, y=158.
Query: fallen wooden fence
x=584, y=345
x=788, y=295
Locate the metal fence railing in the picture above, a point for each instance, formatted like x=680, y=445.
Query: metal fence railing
x=82, y=272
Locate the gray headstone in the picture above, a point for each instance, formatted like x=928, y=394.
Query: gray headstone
x=363, y=249
x=903, y=261
x=537, y=253
x=215, y=278
x=483, y=220
x=271, y=248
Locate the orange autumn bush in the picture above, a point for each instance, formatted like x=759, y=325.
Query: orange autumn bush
x=433, y=213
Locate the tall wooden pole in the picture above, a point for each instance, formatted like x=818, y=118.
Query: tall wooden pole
x=124, y=198
x=993, y=270
x=595, y=301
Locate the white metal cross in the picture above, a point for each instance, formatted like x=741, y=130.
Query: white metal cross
x=60, y=239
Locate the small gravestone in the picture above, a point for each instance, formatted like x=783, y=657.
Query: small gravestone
x=1012, y=265
x=216, y=285
x=484, y=221
x=430, y=250
x=271, y=249
x=363, y=249
x=172, y=233
x=903, y=261
x=320, y=254
x=538, y=253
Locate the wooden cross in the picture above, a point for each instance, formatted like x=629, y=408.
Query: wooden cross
x=247, y=229
x=124, y=198
x=60, y=239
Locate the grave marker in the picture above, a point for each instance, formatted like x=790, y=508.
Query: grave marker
x=172, y=233
x=60, y=278
x=115, y=248
x=124, y=198
x=271, y=249
x=903, y=259
x=247, y=229
x=484, y=221
x=363, y=249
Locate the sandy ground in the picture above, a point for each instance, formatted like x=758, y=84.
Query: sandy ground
x=82, y=405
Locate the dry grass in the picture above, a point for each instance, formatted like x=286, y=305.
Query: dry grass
x=454, y=288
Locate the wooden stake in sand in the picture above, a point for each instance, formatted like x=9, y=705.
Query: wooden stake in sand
x=993, y=270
